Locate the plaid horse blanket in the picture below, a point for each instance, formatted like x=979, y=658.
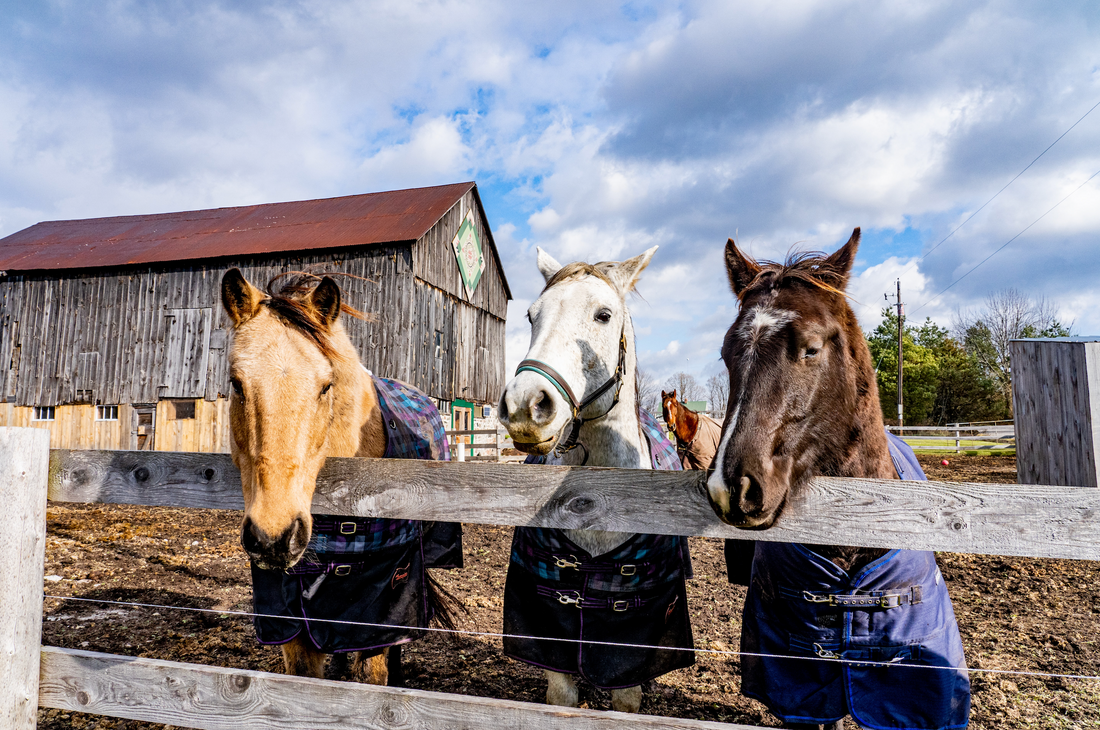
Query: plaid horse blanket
x=364, y=569
x=556, y=594
x=894, y=612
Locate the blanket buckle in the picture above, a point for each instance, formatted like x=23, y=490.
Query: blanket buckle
x=620, y=605
x=570, y=562
x=628, y=569
x=347, y=528
x=817, y=598
x=569, y=600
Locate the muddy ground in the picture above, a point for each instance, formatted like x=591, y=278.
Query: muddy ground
x=1018, y=614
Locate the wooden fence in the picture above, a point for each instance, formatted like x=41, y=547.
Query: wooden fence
x=466, y=447
x=1038, y=521
x=977, y=438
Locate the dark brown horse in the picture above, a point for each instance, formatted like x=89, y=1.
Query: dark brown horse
x=697, y=434
x=804, y=403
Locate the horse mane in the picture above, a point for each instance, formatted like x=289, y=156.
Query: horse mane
x=579, y=270
x=812, y=267
x=288, y=299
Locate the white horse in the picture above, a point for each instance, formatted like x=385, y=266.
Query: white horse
x=575, y=395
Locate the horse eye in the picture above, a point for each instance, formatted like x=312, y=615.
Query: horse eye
x=810, y=353
x=326, y=388
x=603, y=316
x=237, y=387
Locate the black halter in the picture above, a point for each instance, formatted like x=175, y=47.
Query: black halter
x=570, y=442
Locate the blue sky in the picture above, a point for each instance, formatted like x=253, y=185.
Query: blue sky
x=594, y=130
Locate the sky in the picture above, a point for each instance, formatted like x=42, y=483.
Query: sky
x=597, y=130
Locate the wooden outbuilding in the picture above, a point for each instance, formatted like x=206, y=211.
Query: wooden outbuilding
x=1056, y=404
x=112, y=333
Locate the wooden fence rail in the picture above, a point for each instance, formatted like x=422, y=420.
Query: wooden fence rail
x=977, y=518
x=996, y=519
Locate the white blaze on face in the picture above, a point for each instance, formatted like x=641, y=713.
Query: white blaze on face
x=760, y=322
x=763, y=321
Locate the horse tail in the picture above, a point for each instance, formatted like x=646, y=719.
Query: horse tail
x=444, y=606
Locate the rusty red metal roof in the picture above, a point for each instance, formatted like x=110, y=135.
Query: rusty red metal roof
x=307, y=225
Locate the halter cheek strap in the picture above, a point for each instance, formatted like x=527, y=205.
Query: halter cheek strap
x=577, y=407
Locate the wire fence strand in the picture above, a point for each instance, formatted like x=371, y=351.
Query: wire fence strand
x=590, y=642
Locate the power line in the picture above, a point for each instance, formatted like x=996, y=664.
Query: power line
x=979, y=210
x=987, y=258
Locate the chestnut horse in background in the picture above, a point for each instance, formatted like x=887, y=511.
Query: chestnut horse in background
x=876, y=626
x=697, y=434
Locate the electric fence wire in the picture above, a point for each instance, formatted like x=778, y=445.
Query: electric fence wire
x=995, y=195
x=823, y=656
x=1005, y=244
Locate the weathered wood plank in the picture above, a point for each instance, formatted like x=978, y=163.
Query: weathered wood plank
x=24, y=454
x=996, y=519
x=1056, y=399
x=216, y=698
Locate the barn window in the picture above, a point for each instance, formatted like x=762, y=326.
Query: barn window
x=106, y=413
x=179, y=410
x=43, y=413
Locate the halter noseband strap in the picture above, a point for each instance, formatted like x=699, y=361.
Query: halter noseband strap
x=577, y=407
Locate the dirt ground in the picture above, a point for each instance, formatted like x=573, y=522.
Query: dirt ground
x=1017, y=614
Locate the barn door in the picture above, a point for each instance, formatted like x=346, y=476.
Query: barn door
x=186, y=352
x=143, y=423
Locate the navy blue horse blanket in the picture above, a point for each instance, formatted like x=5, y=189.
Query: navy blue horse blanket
x=894, y=613
x=557, y=596
x=362, y=569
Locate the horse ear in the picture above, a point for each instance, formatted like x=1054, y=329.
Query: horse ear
x=627, y=273
x=548, y=265
x=326, y=300
x=740, y=269
x=842, y=260
x=240, y=299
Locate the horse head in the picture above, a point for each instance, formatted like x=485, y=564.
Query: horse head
x=296, y=379
x=580, y=331
x=668, y=409
x=803, y=400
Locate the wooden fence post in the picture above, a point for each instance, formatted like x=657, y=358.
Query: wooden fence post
x=24, y=474
x=1056, y=404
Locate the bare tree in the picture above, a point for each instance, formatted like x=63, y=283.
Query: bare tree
x=1008, y=315
x=685, y=385
x=719, y=388
x=649, y=394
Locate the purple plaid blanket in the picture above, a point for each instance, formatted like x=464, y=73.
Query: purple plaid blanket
x=363, y=569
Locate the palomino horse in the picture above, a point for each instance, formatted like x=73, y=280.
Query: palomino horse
x=803, y=402
x=299, y=396
x=583, y=585
x=697, y=434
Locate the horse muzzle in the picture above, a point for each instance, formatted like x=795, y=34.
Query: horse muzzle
x=748, y=501
x=279, y=552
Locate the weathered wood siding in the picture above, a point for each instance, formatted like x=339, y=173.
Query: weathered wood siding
x=149, y=333
x=74, y=426
x=207, y=431
x=434, y=260
x=1056, y=401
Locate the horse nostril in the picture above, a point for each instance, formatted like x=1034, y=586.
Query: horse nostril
x=545, y=403
x=253, y=539
x=297, y=537
x=750, y=495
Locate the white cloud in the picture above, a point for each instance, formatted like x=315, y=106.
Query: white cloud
x=595, y=131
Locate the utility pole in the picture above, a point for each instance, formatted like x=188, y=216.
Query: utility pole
x=901, y=330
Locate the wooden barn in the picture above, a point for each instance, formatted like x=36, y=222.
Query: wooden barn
x=112, y=333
